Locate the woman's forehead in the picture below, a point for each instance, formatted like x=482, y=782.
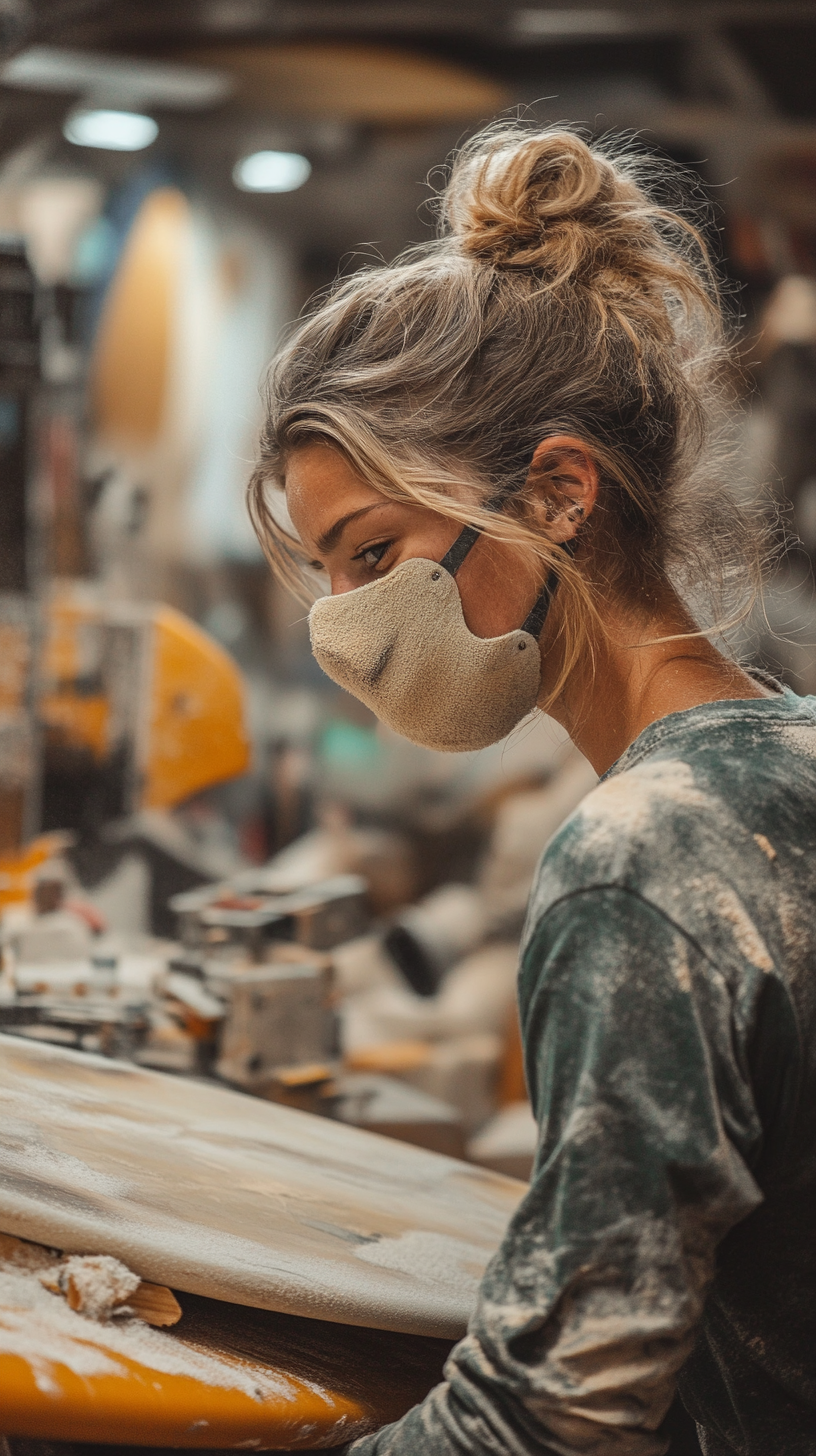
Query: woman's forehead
x=322, y=489
x=323, y=478
x=315, y=468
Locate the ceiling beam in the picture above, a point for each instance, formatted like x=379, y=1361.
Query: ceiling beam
x=510, y=26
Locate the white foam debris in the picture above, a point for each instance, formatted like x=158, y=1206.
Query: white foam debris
x=40, y=1328
x=94, y=1284
x=433, y=1258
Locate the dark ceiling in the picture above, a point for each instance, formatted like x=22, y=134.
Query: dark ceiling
x=519, y=42
x=715, y=84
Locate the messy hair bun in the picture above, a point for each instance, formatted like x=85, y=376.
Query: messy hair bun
x=547, y=202
x=562, y=296
x=550, y=204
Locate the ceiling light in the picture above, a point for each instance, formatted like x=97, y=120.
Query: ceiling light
x=113, y=131
x=272, y=172
x=572, y=25
x=123, y=79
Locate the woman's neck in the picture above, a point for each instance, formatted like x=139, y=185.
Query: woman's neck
x=627, y=678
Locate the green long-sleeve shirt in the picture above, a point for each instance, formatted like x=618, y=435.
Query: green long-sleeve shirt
x=668, y=1006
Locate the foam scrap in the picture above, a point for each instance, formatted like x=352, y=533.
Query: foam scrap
x=40, y=1328
x=95, y=1284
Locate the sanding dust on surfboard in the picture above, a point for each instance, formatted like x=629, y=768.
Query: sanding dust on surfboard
x=204, y=1189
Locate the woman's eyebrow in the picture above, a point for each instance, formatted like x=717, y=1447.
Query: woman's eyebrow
x=332, y=536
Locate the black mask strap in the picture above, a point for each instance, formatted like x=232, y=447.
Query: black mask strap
x=541, y=606
x=468, y=537
x=464, y=543
x=534, y=623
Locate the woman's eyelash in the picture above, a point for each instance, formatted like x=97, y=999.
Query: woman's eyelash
x=377, y=552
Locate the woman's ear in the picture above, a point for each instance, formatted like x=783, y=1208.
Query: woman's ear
x=563, y=485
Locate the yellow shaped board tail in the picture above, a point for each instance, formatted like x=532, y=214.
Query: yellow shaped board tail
x=180, y=710
x=196, y=735
x=138, y=1405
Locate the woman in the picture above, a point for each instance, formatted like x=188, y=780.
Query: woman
x=501, y=452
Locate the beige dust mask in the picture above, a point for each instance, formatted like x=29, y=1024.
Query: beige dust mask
x=402, y=646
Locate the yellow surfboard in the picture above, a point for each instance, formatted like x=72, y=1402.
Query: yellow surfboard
x=222, y=1377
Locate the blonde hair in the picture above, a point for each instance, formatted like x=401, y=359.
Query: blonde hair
x=560, y=297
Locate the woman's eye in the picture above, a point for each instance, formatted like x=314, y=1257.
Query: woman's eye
x=373, y=555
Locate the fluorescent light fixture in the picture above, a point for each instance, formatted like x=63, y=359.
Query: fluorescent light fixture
x=112, y=131
x=571, y=25
x=272, y=172
x=129, y=82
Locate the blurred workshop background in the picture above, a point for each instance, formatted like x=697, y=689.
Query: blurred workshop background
x=211, y=859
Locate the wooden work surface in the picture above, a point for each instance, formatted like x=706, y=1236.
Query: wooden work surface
x=223, y=1195
x=225, y=1376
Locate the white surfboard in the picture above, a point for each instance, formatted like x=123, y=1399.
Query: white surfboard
x=221, y=1194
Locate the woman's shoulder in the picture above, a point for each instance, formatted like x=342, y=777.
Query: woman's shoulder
x=710, y=812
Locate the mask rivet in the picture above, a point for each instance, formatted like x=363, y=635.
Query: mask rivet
x=435, y=575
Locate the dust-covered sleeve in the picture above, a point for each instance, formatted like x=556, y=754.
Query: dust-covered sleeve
x=646, y=1118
